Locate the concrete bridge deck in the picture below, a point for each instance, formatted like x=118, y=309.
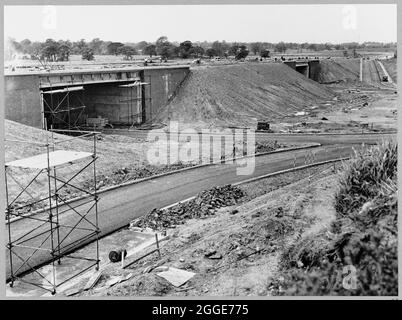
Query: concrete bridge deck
x=102, y=96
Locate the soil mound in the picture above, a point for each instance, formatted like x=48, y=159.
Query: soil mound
x=390, y=66
x=241, y=94
x=339, y=70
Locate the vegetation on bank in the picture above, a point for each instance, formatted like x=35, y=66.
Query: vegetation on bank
x=361, y=243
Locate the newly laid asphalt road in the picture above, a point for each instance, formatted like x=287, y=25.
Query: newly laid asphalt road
x=118, y=207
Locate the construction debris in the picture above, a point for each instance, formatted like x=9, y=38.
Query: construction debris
x=267, y=146
x=117, y=255
x=204, y=205
x=93, y=280
x=176, y=277
x=72, y=292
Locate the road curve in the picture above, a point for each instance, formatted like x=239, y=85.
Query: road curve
x=118, y=207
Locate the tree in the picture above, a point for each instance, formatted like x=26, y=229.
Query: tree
x=312, y=47
x=127, y=52
x=185, y=49
x=113, y=47
x=256, y=47
x=198, y=51
x=35, y=50
x=173, y=51
x=96, y=45
x=63, y=52
x=264, y=53
x=150, y=50
x=233, y=49
x=241, y=52
x=165, y=49
x=78, y=46
x=9, y=49
x=210, y=52
x=161, y=40
x=25, y=45
x=140, y=46
x=87, y=54
x=352, y=45
x=16, y=45
x=280, y=47
x=50, y=50
x=220, y=48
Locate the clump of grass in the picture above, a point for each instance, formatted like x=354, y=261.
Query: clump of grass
x=307, y=252
x=363, y=235
x=363, y=176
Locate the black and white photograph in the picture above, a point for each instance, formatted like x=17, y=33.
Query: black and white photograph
x=200, y=151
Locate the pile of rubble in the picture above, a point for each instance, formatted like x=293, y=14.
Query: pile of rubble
x=205, y=204
x=267, y=146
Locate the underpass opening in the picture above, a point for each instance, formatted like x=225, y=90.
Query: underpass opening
x=303, y=69
x=94, y=105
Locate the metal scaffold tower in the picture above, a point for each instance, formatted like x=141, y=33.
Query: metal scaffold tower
x=63, y=108
x=48, y=229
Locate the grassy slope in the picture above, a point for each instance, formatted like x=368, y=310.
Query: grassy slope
x=234, y=95
x=363, y=235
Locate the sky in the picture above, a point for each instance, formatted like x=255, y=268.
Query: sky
x=242, y=23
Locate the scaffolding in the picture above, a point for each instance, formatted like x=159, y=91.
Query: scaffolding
x=60, y=225
x=138, y=116
x=59, y=109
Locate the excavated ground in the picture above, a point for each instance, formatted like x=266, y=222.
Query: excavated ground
x=234, y=251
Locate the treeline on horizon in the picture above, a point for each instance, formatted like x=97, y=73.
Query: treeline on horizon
x=52, y=50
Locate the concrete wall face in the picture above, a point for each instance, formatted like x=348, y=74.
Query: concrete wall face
x=22, y=100
x=314, y=71
x=304, y=70
x=118, y=104
x=163, y=85
x=291, y=64
x=111, y=101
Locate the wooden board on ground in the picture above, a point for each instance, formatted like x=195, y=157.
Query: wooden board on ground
x=177, y=277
